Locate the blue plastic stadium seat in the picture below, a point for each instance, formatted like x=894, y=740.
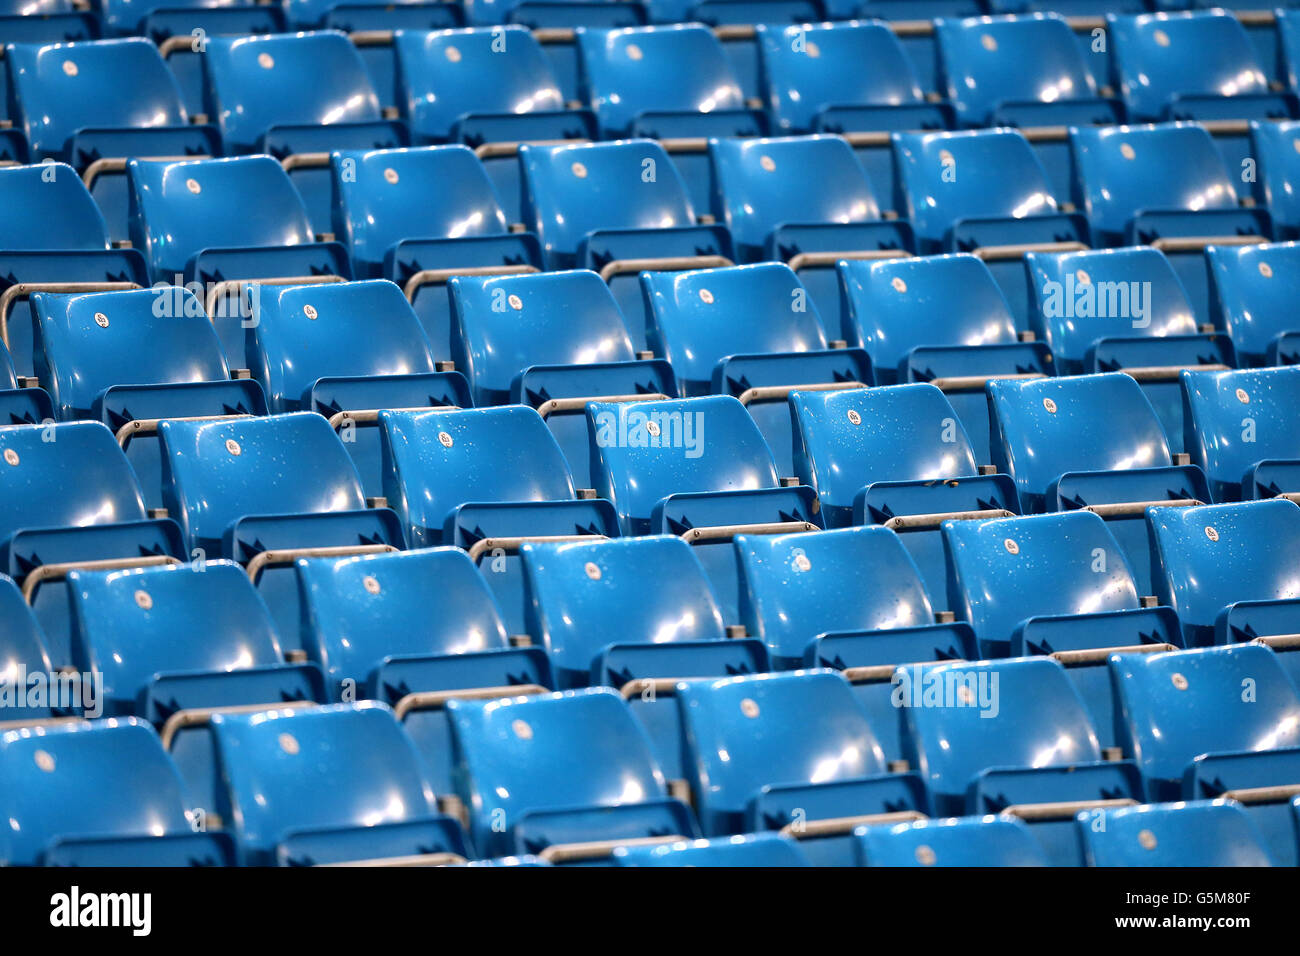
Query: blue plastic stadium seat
x=696, y=467
x=221, y=223
x=1239, y=430
x=670, y=83
x=1111, y=310
x=367, y=623
x=1091, y=441
x=490, y=88
x=52, y=235
x=131, y=358
x=1226, y=570
x=938, y=319
x=1215, y=722
x=176, y=645
x=69, y=496
x=1057, y=585
x=485, y=479
x=617, y=208
x=780, y=344
x=1140, y=184
x=1199, y=65
x=850, y=599
x=805, y=201
x=22, y=656
x=98, y=794
x=792, y=752
x=332, y=784
x=1251, y=291
x=1010, y=736
x=1025, y=71
x=758, y=849
x=346, y=350
x=93, y=104
x=553, y=342
x=542, y=773
x=896, y=456
x=852, y=79
x=955, y=841
x=1277, y=170
x=983, y=190
x=296, y=97
x=22, y=401
x=1201, y=833
x=575, y=593
x=266, y=491
x=418, y=216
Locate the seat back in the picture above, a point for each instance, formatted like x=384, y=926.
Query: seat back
x=306, y=333
x=745, y=733
x=335, y=766
x=88, y=343
x=447, y=74
x=63, y=88
x=1214, y=556
x=435, y=461
x=1047, y=427
x=1252, y=291
x=1160, y=56
x=1021, y=712
x=849, y=439
x=584, y=596
x=93, y=779
x=890, y=306
x=1237, y=419
x=382, y=196
x=1123, y=170
x=181, y=208
x=976, y=174
x=644, y=451
x=800, y=586
x=1200, y=833
x=679, y=67
x=73, y=474
x=1081, y=297
x=1179, y=705
x=304, y=79
x=215, y=473
x=555, y=751
x=362, y=609
x=571, y=191
x=698, y=318
x=810, y=67
x=47, y=207
x=1033, y=57
x=504, y=325
x=760, y=184
x=1007, y=570
x=131, y=626
x=957, y=841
